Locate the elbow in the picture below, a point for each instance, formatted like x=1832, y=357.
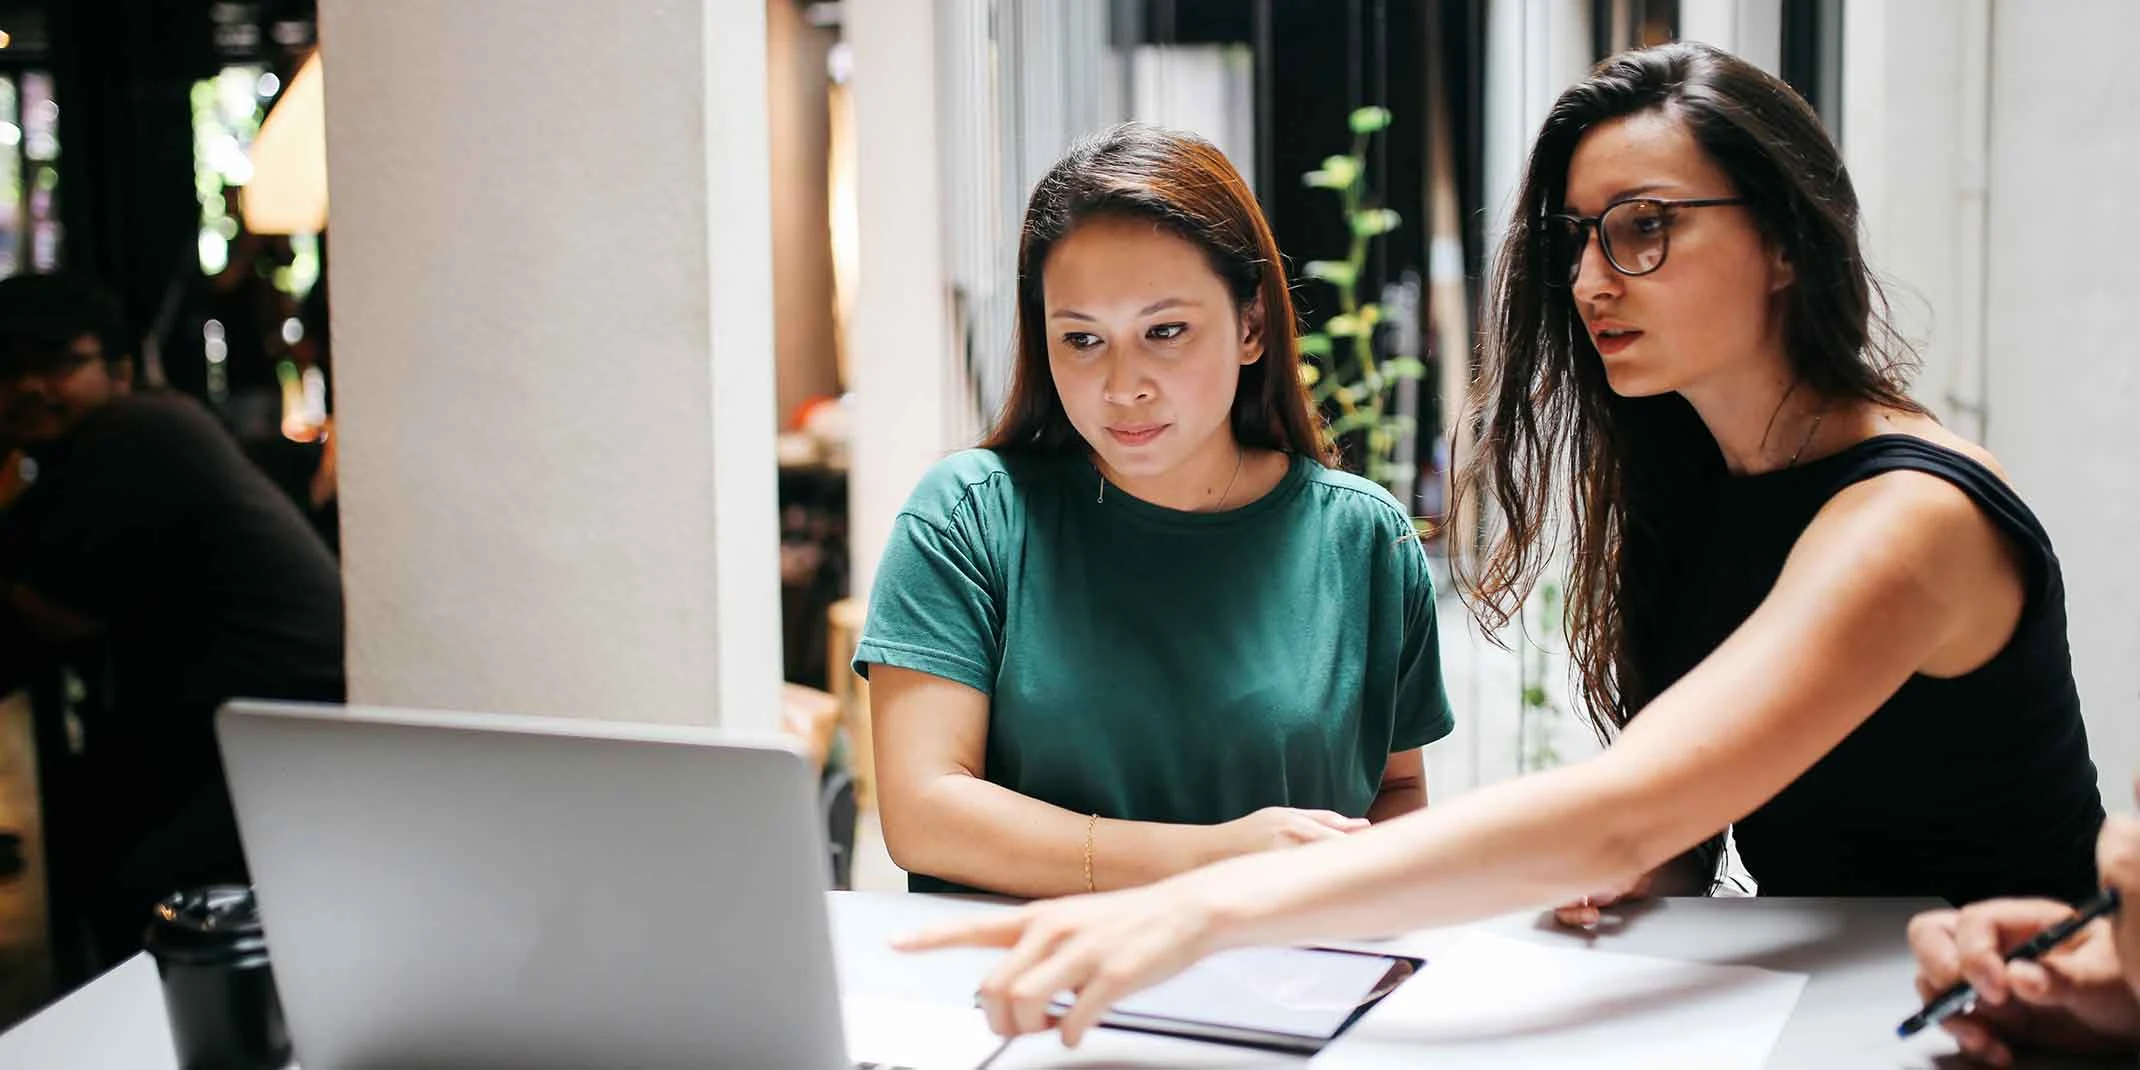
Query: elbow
x=904, y=838
x=897, y=843
x=906, y=860
x=912, y=824
x=917, y=854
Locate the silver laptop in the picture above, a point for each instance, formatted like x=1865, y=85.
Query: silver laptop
x=458, y=890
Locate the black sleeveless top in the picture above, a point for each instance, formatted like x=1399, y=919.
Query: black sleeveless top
x=1963, y=788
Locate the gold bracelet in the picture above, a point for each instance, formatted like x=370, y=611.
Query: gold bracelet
x=1090, y=824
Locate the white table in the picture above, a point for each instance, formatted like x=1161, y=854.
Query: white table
x=1853, y=951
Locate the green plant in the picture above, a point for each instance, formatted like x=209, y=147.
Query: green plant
x=1339, y=365
x=1534, y=664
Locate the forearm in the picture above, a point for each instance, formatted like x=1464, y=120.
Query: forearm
x=1537, y=840
x=967, y=830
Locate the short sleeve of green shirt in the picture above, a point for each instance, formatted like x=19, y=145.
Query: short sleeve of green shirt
x=936, y=607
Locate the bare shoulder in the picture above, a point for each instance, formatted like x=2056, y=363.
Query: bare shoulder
x=1907, y=508
x=1910, y=522
x=1912, y=535
x=1938, y=434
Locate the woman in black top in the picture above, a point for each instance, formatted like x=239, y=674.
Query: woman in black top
x=1799, y=603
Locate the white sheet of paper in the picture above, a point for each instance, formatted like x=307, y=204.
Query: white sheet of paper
x=912, y=1033
x=1492, y=1001
x=1115, y=1049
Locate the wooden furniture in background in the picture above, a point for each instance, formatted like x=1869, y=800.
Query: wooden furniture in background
x=811, y=716
x=843, y=631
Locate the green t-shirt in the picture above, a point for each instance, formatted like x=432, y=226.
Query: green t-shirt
x=1148, y=664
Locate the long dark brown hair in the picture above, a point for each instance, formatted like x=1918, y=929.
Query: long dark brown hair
x=1185, y=185
x=1635, y=473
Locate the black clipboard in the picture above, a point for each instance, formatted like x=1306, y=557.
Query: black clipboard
x=1272, y=1025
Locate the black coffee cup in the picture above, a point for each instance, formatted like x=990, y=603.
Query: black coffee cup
x=217, y=986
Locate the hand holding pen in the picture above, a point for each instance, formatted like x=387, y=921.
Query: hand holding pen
x=2016, y=973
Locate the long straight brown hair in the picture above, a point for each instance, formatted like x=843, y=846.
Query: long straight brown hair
x=1637, y=472
x=1185, y=185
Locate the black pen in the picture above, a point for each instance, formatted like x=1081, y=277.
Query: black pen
x=1959, y=998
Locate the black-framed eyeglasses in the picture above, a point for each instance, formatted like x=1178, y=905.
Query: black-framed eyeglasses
x=1635, y=233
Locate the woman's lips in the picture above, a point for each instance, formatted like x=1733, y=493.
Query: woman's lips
x=1608, y=344
x=1137, y=435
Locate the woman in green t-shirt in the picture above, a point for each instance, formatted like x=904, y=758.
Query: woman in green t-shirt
x=1145, y=627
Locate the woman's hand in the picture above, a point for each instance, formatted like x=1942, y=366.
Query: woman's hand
x=2074, y=998
x=1689, y=874
x=1276, y=827
x=2117, y=858
x=1100, y=947
x=1585, y=913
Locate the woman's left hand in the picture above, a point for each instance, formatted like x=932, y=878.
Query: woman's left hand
x=1101, y=947
x=1588, y=912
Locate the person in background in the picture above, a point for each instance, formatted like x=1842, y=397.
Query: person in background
x=1146, y=626
x=2083, y=996
x=1804, y=609
x=151, y=555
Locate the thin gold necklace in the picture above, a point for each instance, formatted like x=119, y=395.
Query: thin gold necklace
x=1239, y=455
x=1818, y=416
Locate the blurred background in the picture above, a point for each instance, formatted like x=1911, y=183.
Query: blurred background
x=645, y=316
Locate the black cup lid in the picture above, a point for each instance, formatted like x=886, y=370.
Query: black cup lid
x=218, y=917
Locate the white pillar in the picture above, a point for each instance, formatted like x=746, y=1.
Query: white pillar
x=554, y=362
x=902, y=360
x=1749, y=29
x=1535, y=50
x=1982, y=135
x=1915, y=128
x=2062, y=380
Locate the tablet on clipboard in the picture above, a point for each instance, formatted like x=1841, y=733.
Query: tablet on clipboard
x=1291, y=999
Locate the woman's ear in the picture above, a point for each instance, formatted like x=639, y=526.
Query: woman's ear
x=1781, y=272
x=1253, y=323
